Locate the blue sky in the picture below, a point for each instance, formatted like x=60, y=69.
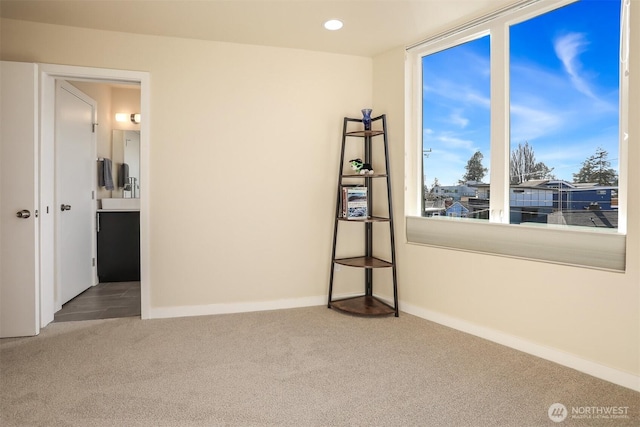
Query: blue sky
x=564, y=73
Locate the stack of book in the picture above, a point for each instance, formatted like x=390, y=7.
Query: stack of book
x=354, y=203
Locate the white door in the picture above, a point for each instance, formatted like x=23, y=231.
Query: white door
x=75, y=170
x=19, y=286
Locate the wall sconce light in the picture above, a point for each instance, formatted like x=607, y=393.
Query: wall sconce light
x=123, y=117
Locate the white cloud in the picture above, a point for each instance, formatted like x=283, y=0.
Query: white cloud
x=528, y=123
x=568, y=49
x=457, y=119
x=463, y=94
x=458, y=143
x=477, y=99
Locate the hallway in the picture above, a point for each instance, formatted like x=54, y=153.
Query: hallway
x=103, y=301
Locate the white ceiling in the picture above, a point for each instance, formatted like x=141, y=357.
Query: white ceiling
x=370, y=27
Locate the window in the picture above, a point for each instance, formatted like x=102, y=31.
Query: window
x=518, y=119
x=456, y=128
x=564, y=110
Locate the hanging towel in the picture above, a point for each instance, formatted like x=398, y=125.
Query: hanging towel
x=105, y=178
x=100, y=172
x=123, y=176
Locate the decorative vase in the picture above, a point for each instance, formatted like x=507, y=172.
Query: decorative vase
x=366, y=118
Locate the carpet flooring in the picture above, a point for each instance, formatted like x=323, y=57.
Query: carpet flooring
x=299, y=367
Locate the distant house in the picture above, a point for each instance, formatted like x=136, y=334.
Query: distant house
x=454, y=192
x=457, y=210
x=553, y=202
x=594, y=198
x=531, y=201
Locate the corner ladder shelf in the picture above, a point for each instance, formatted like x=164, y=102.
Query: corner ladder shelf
x=366, y=304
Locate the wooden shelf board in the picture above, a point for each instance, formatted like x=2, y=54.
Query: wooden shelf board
x=373, y=132
x=357, y=175
x=363, y=262
x=363, y=305
x=368, y=219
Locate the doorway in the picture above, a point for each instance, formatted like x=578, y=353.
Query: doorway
x=105, y=294
x=49, y=303
x=106, y=300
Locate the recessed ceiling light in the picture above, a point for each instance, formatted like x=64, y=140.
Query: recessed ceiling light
x=333, y=24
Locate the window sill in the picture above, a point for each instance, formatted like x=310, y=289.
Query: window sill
x=576, y=246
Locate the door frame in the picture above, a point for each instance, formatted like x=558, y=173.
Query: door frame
x=49, y=73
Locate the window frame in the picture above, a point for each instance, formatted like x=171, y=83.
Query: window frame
x=569, y=245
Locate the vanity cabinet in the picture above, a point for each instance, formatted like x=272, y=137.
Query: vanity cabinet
x=118, y=246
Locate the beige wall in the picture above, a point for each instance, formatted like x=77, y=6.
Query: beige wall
x=244, y=149
x=586, y=314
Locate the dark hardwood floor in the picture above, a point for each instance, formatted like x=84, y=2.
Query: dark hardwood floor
x=103, y=301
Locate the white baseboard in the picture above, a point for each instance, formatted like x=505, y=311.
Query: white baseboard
x=241, y=307
x=597, y=370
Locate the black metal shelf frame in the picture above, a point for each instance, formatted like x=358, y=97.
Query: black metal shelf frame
x=367, y=262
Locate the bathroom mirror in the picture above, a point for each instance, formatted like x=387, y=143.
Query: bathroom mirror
x=125, y=153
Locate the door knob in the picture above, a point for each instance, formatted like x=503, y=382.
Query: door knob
x=24, y=214
x=64, y=207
